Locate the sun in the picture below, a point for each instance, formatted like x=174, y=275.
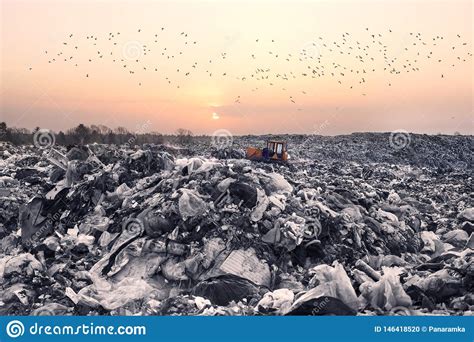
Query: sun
x=215, y=116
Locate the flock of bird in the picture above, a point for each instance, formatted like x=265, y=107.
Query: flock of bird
x=349, y=61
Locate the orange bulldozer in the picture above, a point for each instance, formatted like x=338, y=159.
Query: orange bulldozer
x=276, y=151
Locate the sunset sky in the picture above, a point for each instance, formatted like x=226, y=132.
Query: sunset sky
x=58, y=95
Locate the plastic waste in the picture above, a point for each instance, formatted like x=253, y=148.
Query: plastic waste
x=332, y=282
x=386, y=293
x=191, y=204
x=275, y=183
x=277, y=302
x=246, y=264
x=222, y=290
x=312, y=303
x=113, y=296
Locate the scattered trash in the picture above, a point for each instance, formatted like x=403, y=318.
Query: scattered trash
x=345, y=228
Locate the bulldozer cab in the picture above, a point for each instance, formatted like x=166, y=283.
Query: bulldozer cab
x=275, y=151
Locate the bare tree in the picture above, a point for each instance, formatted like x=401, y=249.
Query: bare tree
x=104, y=130
x=184, y=136
x=121, y=130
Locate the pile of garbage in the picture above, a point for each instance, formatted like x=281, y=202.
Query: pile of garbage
x=148, y=230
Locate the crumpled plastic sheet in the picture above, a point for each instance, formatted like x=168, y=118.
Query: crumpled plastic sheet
x=113, y=296
x=387, y=293
x=332, y=281
x=191, y=204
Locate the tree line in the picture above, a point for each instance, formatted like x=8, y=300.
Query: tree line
x=82, y=134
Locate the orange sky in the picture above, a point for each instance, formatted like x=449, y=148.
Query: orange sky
x=58, y=95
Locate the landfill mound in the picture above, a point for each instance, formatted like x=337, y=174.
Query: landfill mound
x=351, y=226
